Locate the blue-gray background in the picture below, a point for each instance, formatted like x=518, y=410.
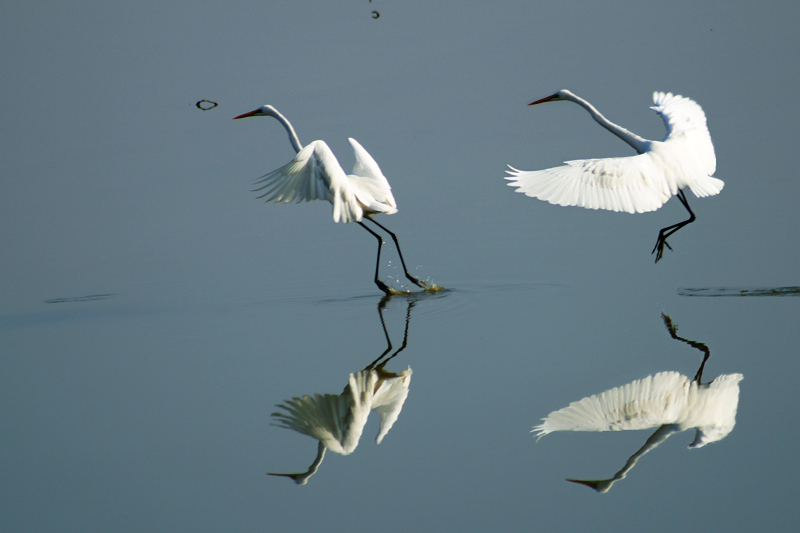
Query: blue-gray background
x=149, y=409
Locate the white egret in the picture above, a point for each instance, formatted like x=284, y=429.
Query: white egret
x=315, y=174
x=668, y=400
x=636, y=184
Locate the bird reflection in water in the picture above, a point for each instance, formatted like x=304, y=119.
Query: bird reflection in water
x=337, y=421
x=667, y=400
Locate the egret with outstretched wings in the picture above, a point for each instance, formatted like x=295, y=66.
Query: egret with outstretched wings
x=315, y=174
x=636, y=184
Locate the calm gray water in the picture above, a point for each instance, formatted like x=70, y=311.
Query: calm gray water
x=153, y=312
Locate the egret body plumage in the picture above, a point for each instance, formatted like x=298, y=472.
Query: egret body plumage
x=315, y=174
x=636, y=184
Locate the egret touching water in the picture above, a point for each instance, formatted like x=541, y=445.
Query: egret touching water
x=315, y=174
x=636, y=184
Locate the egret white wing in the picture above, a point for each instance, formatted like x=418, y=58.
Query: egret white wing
x=306, y=177
x=688, y=151
x=644, y=403
x=630, y=184
x=680, y=114
x=314, y=174
x=370, y=185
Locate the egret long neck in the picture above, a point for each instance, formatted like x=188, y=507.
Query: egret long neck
x=292, y=134
x=639, y=144
x=659, y=436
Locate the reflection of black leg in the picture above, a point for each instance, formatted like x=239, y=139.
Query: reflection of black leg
x=411, y=278
x=673, y=331
x=381, y=306
x=402, y=347
x=381, y=285
x=658, y=249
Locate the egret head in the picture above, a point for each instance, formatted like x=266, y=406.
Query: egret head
x=264, y=110
x=563, y=94
x=600, y=485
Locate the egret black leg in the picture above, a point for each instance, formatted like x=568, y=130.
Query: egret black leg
x=411, y=278
x=658, y=249
x=381, y=285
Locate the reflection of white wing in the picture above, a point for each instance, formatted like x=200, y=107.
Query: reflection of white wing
x=645, y=403
x=712, y=409
x=389, y=399
x=665, y=398
x=336, y=421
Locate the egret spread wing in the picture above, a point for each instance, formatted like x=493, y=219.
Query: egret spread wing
x=644, y=403
x=314, y=174
x=687, y=151
x=306, y=177
x=680, y=114
x=369, y=184
x=616, y=184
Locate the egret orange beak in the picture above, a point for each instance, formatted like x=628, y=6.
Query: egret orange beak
x=545, y=99
x=250, y=114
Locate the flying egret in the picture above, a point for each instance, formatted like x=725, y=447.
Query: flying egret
x=668, y=400
x=315, y=174
x=636, y=184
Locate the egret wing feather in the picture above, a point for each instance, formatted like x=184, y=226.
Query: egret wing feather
x=680, y=114
x=314, y=174
x=370, y=186
x=615, y=184
x=306, y=177
x=687, y=152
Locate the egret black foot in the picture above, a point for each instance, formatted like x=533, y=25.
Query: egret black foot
x=385, y=288
x=658, y=249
